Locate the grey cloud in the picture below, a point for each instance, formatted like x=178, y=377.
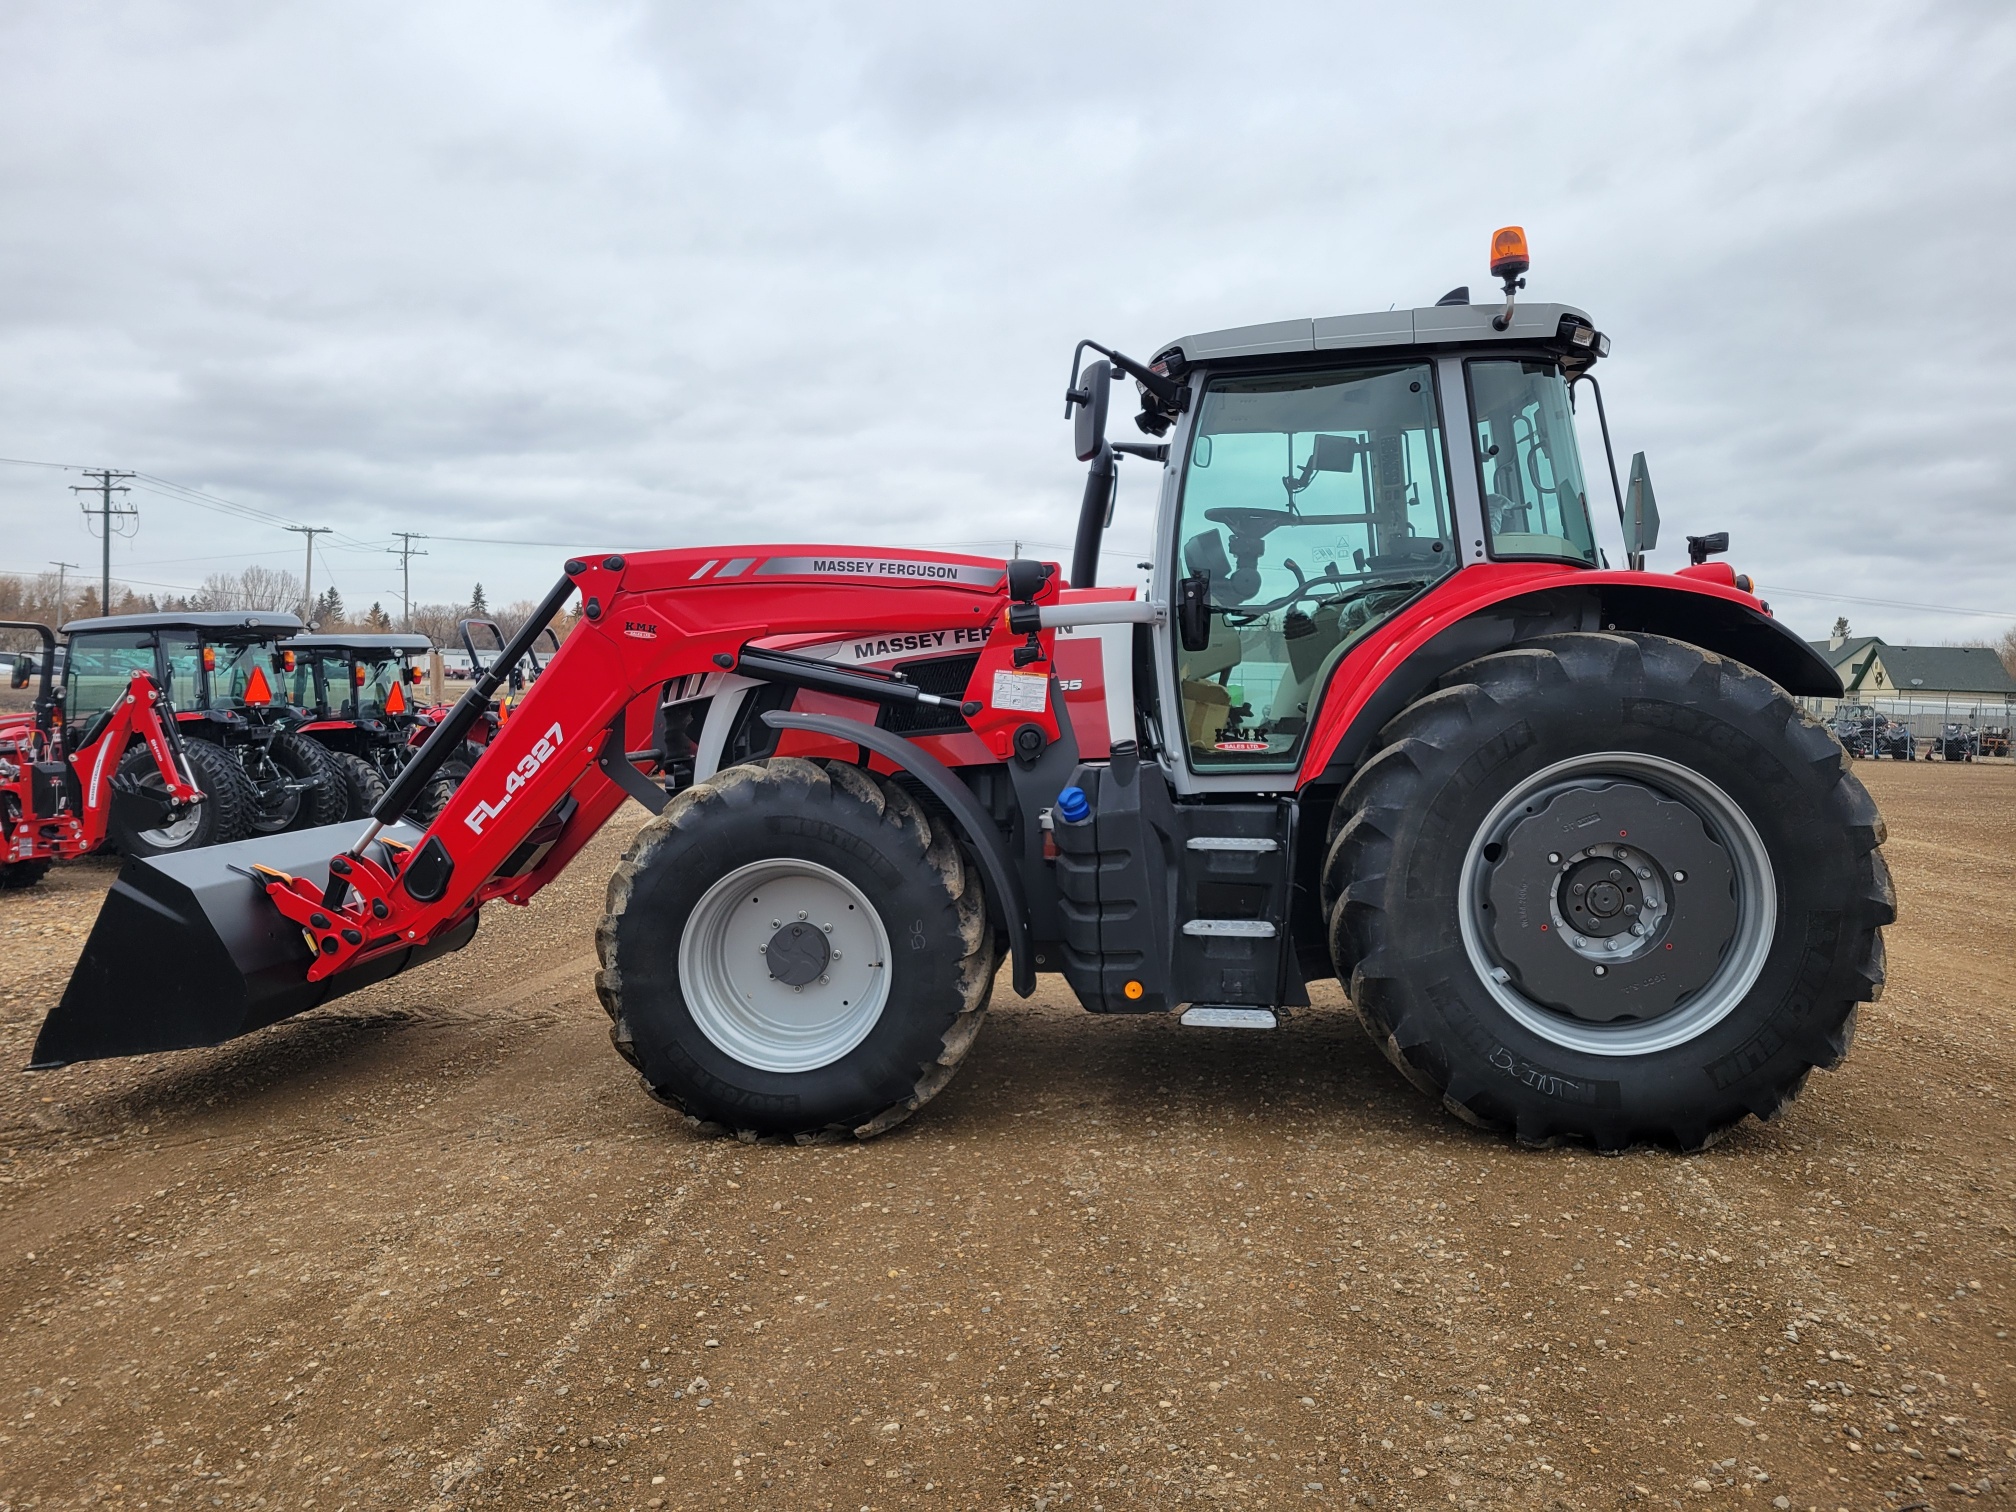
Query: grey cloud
x=646, y=274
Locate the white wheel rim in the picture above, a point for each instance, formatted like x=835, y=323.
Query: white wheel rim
x=743, y=1008
x=176, y=832
x=1743, y=963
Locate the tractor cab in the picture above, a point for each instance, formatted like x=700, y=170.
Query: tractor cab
x=372, y=678
x=1322, y=475
x=219, y=668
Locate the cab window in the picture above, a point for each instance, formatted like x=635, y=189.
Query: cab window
x=1315, y=504
x=98, y=668
x=1530, y=470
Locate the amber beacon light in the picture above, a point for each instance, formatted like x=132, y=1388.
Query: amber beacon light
x=1509, y=261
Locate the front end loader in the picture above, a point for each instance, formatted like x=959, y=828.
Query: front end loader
x=1385, y=713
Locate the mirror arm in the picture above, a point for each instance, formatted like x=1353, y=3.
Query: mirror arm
x=1094, y=512
x=1173, y=395
x=1609, y=456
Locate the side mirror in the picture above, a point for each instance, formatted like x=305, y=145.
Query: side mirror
x=1641, y=515
x=1193, y=611
x=24, y=668
x=1088, y=403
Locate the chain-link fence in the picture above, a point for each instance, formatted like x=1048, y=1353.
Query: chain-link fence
x=1988, y=716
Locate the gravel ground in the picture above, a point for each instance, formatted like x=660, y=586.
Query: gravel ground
x=433, y=1248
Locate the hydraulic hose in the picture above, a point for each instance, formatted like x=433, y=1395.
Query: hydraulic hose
x=450, y=733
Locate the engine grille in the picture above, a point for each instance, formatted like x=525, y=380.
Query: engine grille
x=945, y=676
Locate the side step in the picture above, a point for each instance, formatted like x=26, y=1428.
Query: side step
x=1208, y=1016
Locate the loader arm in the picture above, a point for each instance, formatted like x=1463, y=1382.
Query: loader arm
x=539, y=794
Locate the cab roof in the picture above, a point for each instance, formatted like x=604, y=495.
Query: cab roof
x=1430, y=325
x=367, y=642
x=225, y=624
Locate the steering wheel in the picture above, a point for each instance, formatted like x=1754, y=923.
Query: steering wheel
x=1252, y=522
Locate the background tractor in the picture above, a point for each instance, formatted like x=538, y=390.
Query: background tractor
x=225, y=677
x=364, y=706
x=1385, y=713
x=66, y=790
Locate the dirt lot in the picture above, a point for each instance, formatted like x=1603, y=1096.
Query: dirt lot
x=432, y=1247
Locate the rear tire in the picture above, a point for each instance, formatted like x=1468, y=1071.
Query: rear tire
x=700, y=989
x=223, y=814
x=1723, y=991
x=359, y=782
x=450, y=776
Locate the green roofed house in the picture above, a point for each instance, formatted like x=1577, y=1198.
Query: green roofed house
x=1927, y=686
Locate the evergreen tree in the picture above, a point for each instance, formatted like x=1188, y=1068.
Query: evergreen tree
x=1841, y=627
x=329, y=608
x=378, y=619
x=479, y=607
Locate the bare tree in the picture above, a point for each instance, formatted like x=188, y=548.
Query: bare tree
x=269, y=590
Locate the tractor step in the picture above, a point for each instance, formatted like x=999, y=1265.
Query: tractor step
x=1210, y=1016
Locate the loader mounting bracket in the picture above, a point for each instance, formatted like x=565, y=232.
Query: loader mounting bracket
x=981, y=833
x=614, y=760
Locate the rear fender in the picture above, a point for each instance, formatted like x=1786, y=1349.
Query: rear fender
x=1716, y=619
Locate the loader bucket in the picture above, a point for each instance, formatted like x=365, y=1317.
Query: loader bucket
x=189, y=951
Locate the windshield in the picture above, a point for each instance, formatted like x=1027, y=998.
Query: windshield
x=1535, y=504
x=224, y=684
x=1315, y=504
x=98, y=668
x=330, y=681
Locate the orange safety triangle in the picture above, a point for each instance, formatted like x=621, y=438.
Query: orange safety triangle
x=395, y=701
x=257, y=691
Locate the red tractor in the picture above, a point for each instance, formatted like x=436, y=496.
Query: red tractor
x=362, y=696
x=1384, y=713
x=225, y=675
x=66, y=789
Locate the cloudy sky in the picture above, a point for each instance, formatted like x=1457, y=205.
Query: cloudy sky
x=656, y=274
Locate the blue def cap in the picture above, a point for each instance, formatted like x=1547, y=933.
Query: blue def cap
x=1073, y=807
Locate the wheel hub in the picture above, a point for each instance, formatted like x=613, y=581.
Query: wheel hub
x=1609, y=902
x=798, y=954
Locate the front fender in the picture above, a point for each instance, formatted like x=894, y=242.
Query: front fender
x=981, y=833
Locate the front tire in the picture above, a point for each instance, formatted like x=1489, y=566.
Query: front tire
x=1608, y=888
x=794, y=950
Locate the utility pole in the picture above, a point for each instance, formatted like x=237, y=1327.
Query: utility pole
x=63, y=571
x=308, y=572
x=405, y=552
x=107, y=485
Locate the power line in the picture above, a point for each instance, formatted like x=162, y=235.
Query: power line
x=1842, y=598
x=107, y=485
x=405, y=552
x=63, y=571
x=308, y=570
